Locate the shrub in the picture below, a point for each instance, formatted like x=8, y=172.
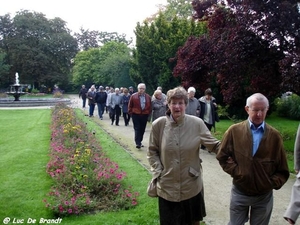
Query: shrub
x=34, y=91
x=85, y=179
x=288, y=107
x=57, y=94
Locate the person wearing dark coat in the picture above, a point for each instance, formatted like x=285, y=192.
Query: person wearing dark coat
x=208, y=110
x=100, y=98
x=82, y=94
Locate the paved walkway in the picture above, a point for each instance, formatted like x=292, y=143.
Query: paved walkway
x=217, y=183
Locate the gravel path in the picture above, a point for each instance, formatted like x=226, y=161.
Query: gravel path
x=217, y=184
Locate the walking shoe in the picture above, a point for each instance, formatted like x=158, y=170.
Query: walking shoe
x=138, y=146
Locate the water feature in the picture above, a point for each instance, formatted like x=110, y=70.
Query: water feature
x=16, y=90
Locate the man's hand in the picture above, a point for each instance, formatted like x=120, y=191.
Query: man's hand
x=230, y=160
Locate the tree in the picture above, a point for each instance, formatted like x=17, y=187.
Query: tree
x=156, y=43
x=4, y=69
x=107, y=65
x=181, y=9
x=86, y=67
x=40, y=50
x=237, y=53
x=93, y=39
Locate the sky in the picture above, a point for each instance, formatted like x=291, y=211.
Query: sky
x=102, y=15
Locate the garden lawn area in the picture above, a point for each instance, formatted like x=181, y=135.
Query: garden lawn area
x=25, y=139
x=24, y=147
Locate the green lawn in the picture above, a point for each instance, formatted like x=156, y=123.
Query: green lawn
x=25, y=138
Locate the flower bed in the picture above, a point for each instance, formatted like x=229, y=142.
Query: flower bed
x=85, y=180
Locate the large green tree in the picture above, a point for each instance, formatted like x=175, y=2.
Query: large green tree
x=156, y=43
x=40, y=50
x=93, y=39
x=106, y=65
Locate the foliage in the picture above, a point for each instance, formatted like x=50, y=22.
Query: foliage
x=108, y=65
x=85, y=179
x=39, y=49
x=35, y=91
x=238, y=56
x=289, y=107
x=57, y=94
x=4, y=68
x=174, y=8
x=94, y=39
x=156, y=43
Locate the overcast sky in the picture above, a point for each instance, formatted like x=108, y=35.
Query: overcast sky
x=102, y=15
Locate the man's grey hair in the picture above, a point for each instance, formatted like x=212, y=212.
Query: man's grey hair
x=258, y=97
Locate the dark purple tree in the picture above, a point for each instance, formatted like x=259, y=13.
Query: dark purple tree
x=241, y=51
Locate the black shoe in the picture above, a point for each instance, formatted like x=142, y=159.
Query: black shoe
x=117, y=124
x=138, y=146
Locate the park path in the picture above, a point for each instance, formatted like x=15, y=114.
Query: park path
x=217, y=183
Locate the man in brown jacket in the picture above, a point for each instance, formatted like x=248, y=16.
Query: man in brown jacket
x=139, y=107
x=252, y=153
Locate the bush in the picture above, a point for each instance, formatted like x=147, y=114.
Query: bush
x=35, y=91
x=289, y=107
x=57, y=94
x=85, y=179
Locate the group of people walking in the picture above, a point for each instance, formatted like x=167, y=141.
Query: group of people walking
x=251, y=152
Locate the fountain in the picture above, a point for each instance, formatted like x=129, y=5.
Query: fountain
x=16, y=89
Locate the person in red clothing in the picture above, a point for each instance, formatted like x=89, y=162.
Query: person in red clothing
x=139, y=107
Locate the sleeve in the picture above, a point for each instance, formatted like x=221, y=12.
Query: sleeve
x=226, y=151
x=297, y=150
x=153, y=155
x=207, y=139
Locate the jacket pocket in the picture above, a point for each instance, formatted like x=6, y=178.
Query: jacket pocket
x=193, y=172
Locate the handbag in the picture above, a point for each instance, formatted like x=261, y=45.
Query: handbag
x=151, y=190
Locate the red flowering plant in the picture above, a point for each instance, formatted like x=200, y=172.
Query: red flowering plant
x=85, y=179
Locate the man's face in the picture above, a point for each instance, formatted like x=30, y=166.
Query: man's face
x=141, y=89
x=191, y=94
x=257, y=112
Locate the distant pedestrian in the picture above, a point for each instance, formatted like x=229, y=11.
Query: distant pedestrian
x=111, y=91
x=193, y=106
x=115, y=104
x=82, y=94
x=139, y=107
x=101, y=97
x=126, y=116
x=208, y=111
x=131, y=91
x=159, y=105
x=91, y=95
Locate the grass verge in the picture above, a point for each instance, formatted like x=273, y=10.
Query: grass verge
x=25, y=138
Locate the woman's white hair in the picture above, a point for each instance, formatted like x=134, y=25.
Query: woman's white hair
x=191, y=89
